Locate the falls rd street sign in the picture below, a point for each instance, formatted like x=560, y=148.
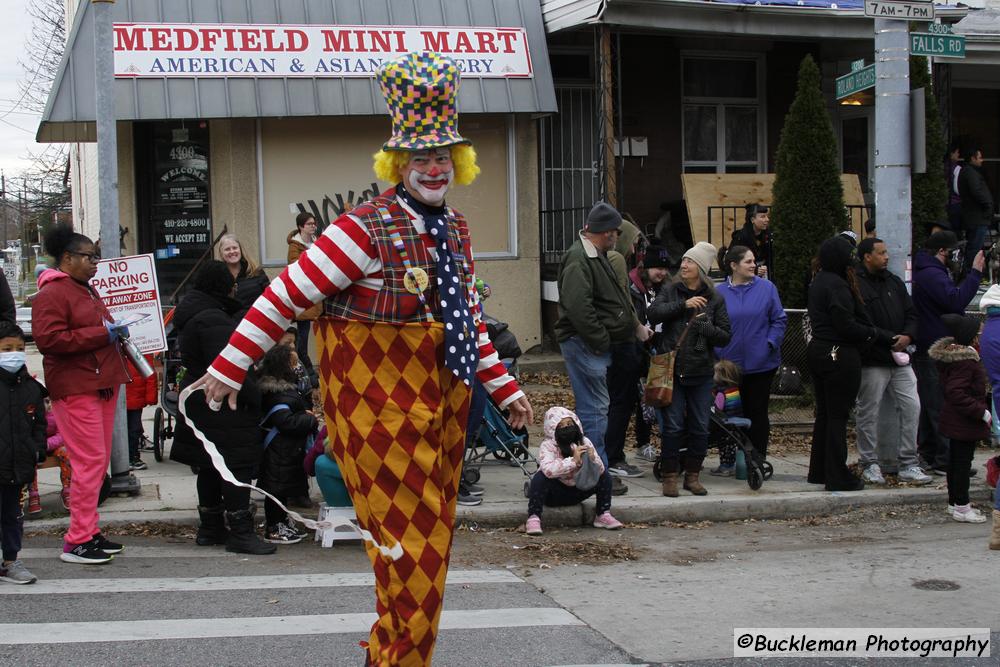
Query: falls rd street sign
x=906, y=11
x=942, y=46
x=857, y=81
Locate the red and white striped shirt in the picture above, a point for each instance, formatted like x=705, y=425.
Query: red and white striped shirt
x=343, y=257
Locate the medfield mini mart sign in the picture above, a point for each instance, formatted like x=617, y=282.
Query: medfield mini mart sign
x=163, y=50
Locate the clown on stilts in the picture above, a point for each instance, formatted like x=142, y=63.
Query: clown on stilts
x=401, y=339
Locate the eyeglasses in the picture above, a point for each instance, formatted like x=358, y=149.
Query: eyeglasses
x=92, y=257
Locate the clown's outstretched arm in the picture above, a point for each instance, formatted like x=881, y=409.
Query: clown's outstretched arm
x=342, y=256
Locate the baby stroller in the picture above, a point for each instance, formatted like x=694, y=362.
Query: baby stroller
x=495, y=436
x=167, y=410
x=724, y=431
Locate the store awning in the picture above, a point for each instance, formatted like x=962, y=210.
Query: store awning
x=816, y=19
x=193, y=87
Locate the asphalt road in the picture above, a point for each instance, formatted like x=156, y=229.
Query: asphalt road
x=648, y=594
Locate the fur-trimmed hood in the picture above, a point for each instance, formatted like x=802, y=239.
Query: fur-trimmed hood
x=272, y=385
x=946, y=351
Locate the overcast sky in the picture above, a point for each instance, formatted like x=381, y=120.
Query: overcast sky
x=17, y=127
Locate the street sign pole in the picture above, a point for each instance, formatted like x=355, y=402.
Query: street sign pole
x=107, y=167
x=892, y=141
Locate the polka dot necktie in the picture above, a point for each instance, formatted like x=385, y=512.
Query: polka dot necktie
x=461, y=351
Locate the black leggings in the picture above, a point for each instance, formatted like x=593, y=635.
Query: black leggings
x=962, y=452
x=213, y=491
x=755, y=394
x=547, y=491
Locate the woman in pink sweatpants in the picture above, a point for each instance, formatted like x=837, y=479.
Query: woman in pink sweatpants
x=84, y=369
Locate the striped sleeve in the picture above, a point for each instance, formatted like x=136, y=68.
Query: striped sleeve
x=493, y=374
x=342, y=256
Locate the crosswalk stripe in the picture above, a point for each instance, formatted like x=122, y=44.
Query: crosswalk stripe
x=203, y=584
x=203, y=628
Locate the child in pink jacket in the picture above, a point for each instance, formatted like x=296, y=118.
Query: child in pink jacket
x=560, y=457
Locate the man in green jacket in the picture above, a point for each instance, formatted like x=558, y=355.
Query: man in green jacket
x=594, y=314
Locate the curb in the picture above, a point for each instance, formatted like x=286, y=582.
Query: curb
x=108, y=519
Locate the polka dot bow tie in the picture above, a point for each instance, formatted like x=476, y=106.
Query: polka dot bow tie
x=461, y=351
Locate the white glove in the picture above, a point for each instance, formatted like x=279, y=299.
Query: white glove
x=988, y=417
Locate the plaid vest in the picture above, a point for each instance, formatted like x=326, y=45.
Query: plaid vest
x=393, y=303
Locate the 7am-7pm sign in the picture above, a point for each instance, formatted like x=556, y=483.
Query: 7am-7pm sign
x=164, y=50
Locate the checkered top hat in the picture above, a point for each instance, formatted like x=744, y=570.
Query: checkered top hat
x=420, y=90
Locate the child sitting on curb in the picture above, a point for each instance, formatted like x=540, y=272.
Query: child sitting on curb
x=560, y=457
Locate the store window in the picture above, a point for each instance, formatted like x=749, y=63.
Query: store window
x=722, y=115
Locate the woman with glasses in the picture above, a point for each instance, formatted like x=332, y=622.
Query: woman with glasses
x=84, y=367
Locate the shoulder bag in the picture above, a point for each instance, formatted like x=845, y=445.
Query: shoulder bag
x=659, y=392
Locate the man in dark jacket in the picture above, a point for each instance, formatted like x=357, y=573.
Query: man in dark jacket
x=594, y=313
x=976, y=203
x=888, y=408
x=755, y=235
x=934, y=294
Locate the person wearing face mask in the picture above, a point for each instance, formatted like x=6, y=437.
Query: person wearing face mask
x=560, y=456
x=84, y=369
x=401, y=339
x=22, y=446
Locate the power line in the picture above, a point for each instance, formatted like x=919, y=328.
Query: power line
x=34, y=76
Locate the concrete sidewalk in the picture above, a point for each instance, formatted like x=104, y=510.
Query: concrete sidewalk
x=168, y=495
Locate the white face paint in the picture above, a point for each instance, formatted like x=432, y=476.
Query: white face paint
x=429, y=174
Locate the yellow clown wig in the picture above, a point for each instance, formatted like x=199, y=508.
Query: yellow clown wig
x=463, y=157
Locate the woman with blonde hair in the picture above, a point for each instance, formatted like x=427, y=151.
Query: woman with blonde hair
x=251, y=281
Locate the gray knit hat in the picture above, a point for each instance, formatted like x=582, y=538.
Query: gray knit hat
x=603, y=218
x=702, y=254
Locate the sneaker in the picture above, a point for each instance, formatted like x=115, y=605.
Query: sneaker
x=34, y=504
x=950, y=510
x=87, y=553
x=618, y=487
x=967, y=514
x=533, y=526
x=145, y=444
x=107, y=546
x=914, y=475
x=649, y=453
x=873, y=475
x=607, y=521
x=138, y=464
x=474, y=489
x=294, y=527
x=17, y=573
x=280, y=533
x=623, y=469
x=723, y=471
x=467, y=499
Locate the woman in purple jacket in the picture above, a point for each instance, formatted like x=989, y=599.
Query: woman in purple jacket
x=758, y=325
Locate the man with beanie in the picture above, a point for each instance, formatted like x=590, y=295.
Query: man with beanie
x=888, y=408
x=935, y=294
x=595, y=313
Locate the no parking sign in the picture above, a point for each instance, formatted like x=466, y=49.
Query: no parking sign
x=128, y=287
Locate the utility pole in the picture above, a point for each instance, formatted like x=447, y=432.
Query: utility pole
x=3, y=194
x=107, y=167
x=892, y=141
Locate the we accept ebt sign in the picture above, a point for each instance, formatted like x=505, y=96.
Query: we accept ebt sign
x=128, y=287
x=253, y=50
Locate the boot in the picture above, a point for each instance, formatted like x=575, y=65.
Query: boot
x=212, y=529
x=995, y=535
x=242, y=537
x=692, y=468
x=670, y=485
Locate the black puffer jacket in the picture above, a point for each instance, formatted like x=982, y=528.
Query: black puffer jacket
x=281, y=471
x=249, y=287
x=890, y=309
x=22, y=427
x=696, y=358
x=205, y=322
x=836, y=317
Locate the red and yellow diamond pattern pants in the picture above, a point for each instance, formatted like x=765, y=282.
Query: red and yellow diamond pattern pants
x=396, y=418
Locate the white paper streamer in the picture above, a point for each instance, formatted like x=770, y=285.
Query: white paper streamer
x=395, y=553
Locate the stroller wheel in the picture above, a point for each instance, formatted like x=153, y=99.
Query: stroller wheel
x=656, y=471
x=501, y=455
x=158, y=435
x=768, y=470
x=755, y=476
x=470, y=475
x=527, y=487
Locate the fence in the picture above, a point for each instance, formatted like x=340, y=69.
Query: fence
x=723, y=220
x=792, y=394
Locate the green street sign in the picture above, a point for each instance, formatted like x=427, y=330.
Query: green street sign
x=941, y=46
x=855, y=82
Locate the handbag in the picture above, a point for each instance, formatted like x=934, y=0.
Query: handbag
x=588, y=474
x=659, y=392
